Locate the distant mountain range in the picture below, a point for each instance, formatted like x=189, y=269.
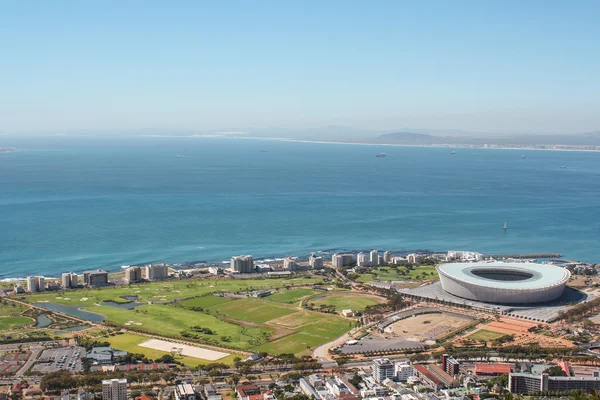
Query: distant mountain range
x=411, y=138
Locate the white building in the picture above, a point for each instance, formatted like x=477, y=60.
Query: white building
x=403, y=370
x=413, y=258
x=185, y=392
x=362, y=260
x=387, y=257
x=74, y=280
x=383, y=369
x=66, y=280
x=399, y=261
x=215, y=270
x=374, y=257
x=337, y=261
x=133, y=274
x=315, y=262
x=114, y=389
x=290, y=264
x=157, y=272
x=36, y=284
x=242, y=264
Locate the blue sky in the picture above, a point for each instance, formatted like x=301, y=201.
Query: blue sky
x=503, y=66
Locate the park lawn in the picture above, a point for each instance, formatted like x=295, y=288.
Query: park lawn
x=204, y=301
x=7, y=323
x=290, y=296
x=165, y=290
x=171, y=321
x=484, y=335
x=130, y=343
x=347, y=301
x=252, y=310
x=389, y=274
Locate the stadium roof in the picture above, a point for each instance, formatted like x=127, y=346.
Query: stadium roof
x=534, y=276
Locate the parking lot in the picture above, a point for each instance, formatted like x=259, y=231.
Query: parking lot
x=69, y=358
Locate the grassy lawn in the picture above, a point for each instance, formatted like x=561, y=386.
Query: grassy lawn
x=253, y=310
x=129, y=342
x=204, y=301
x=171, y=321
x=7, y=323
x=347, y=301
x=402, y=274
x=165, y=291
x=485, y=336
x=290, y=296
x=8, y=308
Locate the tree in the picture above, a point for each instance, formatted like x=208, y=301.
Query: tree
x=555, y=370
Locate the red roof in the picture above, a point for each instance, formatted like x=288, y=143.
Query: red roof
x=256, y=397
x=565, y=367
x=143, y=397
x=430, y=375
x=492, y=369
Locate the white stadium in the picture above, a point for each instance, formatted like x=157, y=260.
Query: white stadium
x=504, y=283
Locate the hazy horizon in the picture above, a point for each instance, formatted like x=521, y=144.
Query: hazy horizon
x=477, y=68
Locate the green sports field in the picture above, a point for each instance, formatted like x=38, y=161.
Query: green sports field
x=485, y=336
x=290, y=296
x=401, y=274
x=252, y=310
x=347, y=301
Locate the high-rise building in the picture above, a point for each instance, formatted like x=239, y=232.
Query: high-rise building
x=362, y=260
x=450, y=365
x=41, y=283
x=413, y=258
x=337, y=261
x=383, y=369
x=242, y=264
x=66, y=280
x=32, y=284
x=374, y=257
x=157, y=272
x=114, y=389
x=315, y=262
x=387, y=258
x=133, y=274
x=95, y=278
x=290, y=264
x=74, y=280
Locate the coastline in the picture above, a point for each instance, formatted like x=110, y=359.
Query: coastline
x=448, y=146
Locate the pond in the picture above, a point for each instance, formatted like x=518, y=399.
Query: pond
x=43, y=321
x=124, y=306
x=73, y=312
x=73, y=329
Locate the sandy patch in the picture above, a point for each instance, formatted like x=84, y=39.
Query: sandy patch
x=43, y=301
x=190, y=351
x=127, y=323
x=66, y=298
x=83, y=299
x=138, y=323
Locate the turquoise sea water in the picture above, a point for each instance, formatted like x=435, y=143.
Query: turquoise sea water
x=74, y=203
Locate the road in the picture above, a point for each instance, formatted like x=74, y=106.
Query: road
x=35, y=352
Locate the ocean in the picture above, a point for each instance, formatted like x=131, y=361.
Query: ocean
x=74, y=203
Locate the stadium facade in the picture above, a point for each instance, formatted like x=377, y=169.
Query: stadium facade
x=504, y=283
